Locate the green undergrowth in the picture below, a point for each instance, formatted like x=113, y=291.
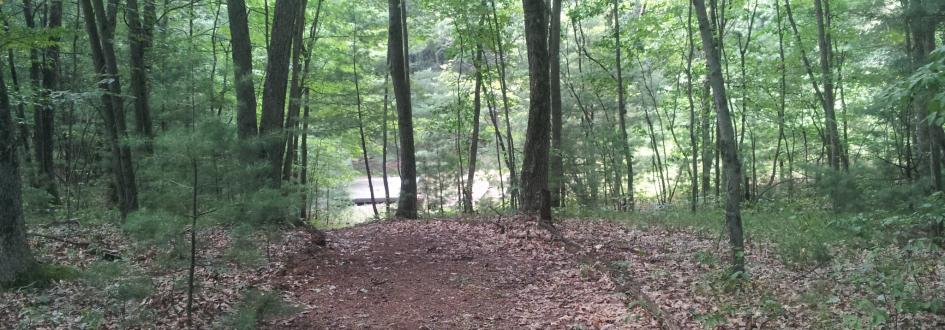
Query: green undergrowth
x=889, y=256
x=257, y=306
x=42, y=276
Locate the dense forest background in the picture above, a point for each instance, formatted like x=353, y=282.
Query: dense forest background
x=161, y=128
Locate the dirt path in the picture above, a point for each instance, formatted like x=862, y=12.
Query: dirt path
x=450, y=275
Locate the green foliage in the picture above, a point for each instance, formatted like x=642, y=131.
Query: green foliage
x=243, y=248
x=256, y=306
x=120, y=280
x=43, y=275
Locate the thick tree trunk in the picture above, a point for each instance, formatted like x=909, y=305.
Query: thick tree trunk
x=556, y=167
x=15, y=256
x=922, y=27
x=727, y=140
x=243, y=69
x=274, y=90
x=138, y=42
x=400, y=74
x=535, y=162
x=622, y=111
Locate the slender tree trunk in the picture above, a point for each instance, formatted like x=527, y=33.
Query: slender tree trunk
x=274, y=90
x=474, y=138
x=42, y=111
x=303, y=172
x=22, y=127
x=243, y=69
x=357, y=93
x=400, y=74
x=622, y=110
x=101, y=37
x=295, y=95
x=515, y=193
x=708, y=146
x=556, y=167
x=727, y=141
x=15, y=256
x=384, y=144
x=535, y=163
x=693, y=140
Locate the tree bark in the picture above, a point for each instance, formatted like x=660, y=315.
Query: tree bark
x=101, y=38
x=295, y=95
x=922, y=26
x=138, y=42
x=727, y=141
x=535, y=161
x=15, y=256
x=400, y=74
x=693, y=140
x=556, y=166
x=274, y=90
x=474, y=138
x=622, y=110
x=243, y=69
x=510, y=158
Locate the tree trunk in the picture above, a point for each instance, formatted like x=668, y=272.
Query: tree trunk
x=834, y=148
x=243, y=69
x=42, y=110
x=295, y=95
x=535, y=161
x=622, y=107
x=357, y=93
x=15, y=256
x=556, y=167
x=922, y=27
x=400, y=74
x=693, y=140
x=274, y=90
x=22, y=128
x=474, y=138
x=101, y=39
x=510, y=158
x=138, y=42
x=727, y=140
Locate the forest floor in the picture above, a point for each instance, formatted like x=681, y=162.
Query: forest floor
x=488, y=272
